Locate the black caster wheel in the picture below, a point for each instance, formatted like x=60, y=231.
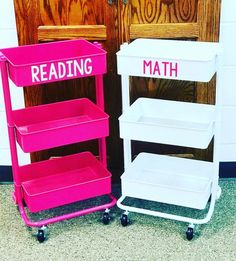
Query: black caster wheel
x=124, y=220
x=41, y=235
x=106, y=218
x=189, y=233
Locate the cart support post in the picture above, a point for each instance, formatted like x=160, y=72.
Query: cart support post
x=218, y=101
x=11, y=130
x=99, y=91
x=216, y=152
x=6, y=89
x=100, y=103
x=125, y=105
x=15, y=165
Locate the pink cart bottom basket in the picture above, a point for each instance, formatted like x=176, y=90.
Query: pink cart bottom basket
x=61, y=181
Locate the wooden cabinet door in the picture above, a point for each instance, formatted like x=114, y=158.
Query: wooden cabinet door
x=95, y=20
x=195, y=20
x=112, y=23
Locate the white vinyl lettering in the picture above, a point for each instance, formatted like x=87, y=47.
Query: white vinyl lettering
x=69, y=74
x=87, y=66
x=52, y=73
x=79, y=67
x=35, y=73
x=61, y=70
x=43, y=72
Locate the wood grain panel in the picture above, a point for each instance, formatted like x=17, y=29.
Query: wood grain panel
x=162, y=89
x=53, y=12
x=174, y=30
x=71, y=12
x=89, y=32
x=163, y=11
x=188, y=19
x=86, y=12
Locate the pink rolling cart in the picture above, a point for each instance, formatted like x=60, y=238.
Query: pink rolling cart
x=56, y=182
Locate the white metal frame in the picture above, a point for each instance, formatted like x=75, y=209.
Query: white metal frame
x=215, y=189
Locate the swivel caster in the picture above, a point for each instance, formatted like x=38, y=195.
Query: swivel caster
x=124, y=220
x=42, y=234
x=106, y=217
x=218, y=193
x=190, y=232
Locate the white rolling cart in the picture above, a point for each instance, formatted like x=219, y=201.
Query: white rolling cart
x=167, y=179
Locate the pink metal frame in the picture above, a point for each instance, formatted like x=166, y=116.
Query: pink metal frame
x=17, y=195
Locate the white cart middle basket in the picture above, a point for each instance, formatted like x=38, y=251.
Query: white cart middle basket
x=162, y=178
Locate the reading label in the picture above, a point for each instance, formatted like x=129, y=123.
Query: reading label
x=61, y=70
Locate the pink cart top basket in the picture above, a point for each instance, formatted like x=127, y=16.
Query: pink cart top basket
x=55, y=61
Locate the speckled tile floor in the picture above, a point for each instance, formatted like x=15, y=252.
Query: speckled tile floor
x=147, y=238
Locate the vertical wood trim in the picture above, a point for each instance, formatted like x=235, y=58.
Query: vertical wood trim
x=208, y=20
x=112, y=87
x=27, y=21
x=124, y=21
